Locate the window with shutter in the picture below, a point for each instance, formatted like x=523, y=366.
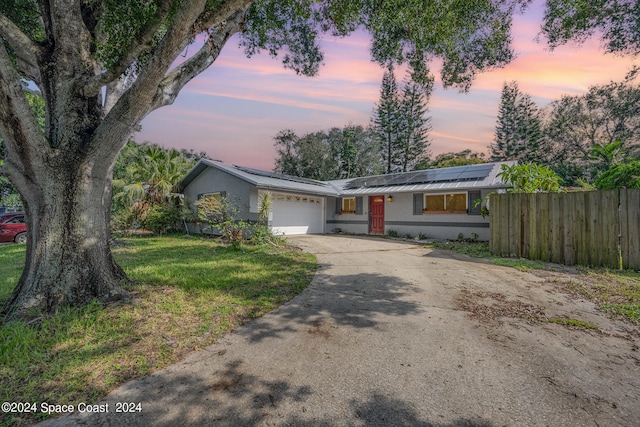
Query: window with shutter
x=348, y=205
x=474, y=196
x=445, y=203
x=417, y=204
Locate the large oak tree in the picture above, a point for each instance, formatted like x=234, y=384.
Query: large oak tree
x=103, y=65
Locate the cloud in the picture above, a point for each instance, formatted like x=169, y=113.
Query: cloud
x=234, y=109
x=441, y=135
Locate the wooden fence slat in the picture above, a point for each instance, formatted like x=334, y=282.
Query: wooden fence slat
x=542, y=214
x=630, y=227
x=534, y=250
x=568, y=253
x=591, y=221
x=494, y=224
x=556, y=227
x=623, y=227
x=514, y=226
x=581, y=248
x=506, y=233
x=524, y=227
x=570, y=228
x=609, y=232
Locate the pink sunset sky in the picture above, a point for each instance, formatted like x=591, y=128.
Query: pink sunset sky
x=233, y=110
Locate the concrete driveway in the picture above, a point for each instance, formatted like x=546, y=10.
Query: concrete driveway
x=384, y=337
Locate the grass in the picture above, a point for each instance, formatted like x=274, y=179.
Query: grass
x=520, y=264
x=573, y=323
x=476, y=250
x=190, y=292
x=614, y=291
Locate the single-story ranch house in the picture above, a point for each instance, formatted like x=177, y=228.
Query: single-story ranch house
x=436, y=203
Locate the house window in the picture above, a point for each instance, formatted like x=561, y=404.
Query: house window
x=209, y=198
x=349, y=205
x=210, y=202
x=445, y=203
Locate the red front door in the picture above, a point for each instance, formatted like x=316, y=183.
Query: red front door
x=376, y=214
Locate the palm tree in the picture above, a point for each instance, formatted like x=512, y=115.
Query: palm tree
x=608, y=155
x=150, y=177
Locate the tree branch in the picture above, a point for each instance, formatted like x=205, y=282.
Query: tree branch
x=18, y=122
x=135, y=102
x=26, y=50
x=210, y=19
x=143, y=42
x=173, y=82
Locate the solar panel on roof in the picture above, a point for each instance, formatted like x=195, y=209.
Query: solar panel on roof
x=397, y=179
x=266, y=174
x=480, y=171
x=458, y=173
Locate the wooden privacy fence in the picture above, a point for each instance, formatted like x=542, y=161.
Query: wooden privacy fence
x=594, y=228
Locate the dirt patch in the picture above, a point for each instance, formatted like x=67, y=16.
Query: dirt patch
x=320, y=328
x=491, y=307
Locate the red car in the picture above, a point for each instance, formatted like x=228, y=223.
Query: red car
x=13, y=228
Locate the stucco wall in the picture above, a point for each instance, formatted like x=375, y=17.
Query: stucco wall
x=399, y=217
x=348, y=223
x=239, y=192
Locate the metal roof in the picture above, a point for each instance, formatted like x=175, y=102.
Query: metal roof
x=263, y=179
x=484, y=175
x=433, y=180
x=429, y=176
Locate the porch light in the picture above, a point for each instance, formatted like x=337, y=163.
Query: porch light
x=390, y=199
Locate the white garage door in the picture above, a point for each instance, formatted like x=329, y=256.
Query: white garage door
x=297, y=214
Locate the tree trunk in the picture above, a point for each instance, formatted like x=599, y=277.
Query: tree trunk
x=68, y=259
x=64, y=171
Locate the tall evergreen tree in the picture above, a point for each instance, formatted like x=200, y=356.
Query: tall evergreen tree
x=386, y=120
x=518, y=133
x=414, y=126
x=400, y=123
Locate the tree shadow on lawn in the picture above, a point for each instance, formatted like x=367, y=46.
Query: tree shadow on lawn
x=235, y=398
x=349, y=300
x=357, y=301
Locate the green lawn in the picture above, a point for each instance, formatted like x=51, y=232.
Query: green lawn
x=189, y=292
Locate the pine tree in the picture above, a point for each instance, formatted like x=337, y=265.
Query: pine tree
x=400, y=123
x=530, y=136
x=386, y=120
x=414, y=126
x=518, y=133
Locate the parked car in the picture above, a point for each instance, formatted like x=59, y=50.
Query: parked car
x=13, y=227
